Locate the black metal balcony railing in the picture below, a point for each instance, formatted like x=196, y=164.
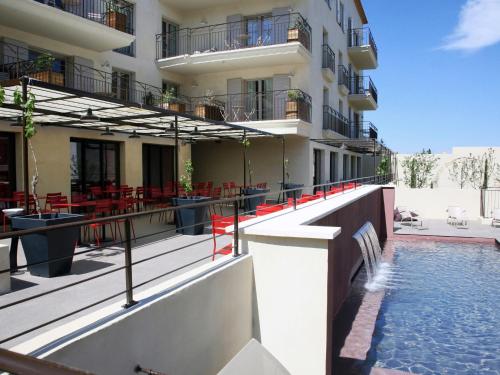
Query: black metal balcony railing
x=260, y=106
x=117, y=14
x=362, y=37
x=363, y=85
x=333, y=120
x=328, y=58
x=363, y=129
x=343, y=74
x=16, y=62
x=247, y=33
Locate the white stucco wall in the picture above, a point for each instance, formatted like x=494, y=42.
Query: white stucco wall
x=432, y=203
x=194, y=330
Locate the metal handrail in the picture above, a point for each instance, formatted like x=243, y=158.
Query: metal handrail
x=21, y=364
x=363, y=37
x=119, y=15
x=328, y=58
x=363, y=85
x=233, y=35
x=363, y=129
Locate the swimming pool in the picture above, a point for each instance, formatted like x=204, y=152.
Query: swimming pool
x=443, y=315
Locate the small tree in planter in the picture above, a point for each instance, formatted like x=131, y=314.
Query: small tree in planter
x=116, y=16
x=43, y=65
x=45, y=247
x=189, y=221
x=296, y=106
x=170, y=101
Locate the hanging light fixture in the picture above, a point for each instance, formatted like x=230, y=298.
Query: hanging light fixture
x=107, y=132
x=89, y=116
x=134, y=135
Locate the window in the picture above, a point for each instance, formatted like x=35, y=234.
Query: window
x=94, y=163
x=121, y=83
x=7, y=165
x=317, y=167
x=259, y=30
x=157, y=165
x=170, y=37
x=333, y=167
x=341, y=107
x=326, y=96
x=345, y=167
x=340, y=14
x=258, y=103
x=328, y=2
x=358, y=167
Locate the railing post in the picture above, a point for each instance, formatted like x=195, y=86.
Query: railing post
x=236, y=233
x=128, y=266
x=295, y=199
x=324, y=191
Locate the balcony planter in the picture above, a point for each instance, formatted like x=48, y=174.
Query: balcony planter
x=289, y=185
x=59, y=243
x=297, y=34
x=117, y=20
x=211, y=112
x=192, y=218
x=48, y=76
x=252, y=203
x=297, y=109
x=174, y=107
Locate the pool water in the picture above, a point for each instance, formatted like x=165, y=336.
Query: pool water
x=443, y=315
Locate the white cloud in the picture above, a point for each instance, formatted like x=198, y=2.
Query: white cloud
x=478, y=26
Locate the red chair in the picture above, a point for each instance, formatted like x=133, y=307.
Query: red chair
x=266, y=209
x=121, y=207
x=219, y=225
x=61, y=200
x=228, y=190
x=96, y=192
x=51, y=199
x=103, y=208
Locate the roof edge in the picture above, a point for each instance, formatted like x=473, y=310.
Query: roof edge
x=361, y=11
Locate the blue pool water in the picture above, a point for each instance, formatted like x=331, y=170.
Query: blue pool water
x=443, y=315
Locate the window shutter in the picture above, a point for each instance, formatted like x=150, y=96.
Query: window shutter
x=281, y=85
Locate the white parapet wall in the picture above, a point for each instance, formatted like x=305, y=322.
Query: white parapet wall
x=4, y=265
x=432, y=203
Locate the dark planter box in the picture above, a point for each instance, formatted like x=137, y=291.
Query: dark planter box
x=298, y=193
x=252, y=203
x=43, y=247
x=192, y=218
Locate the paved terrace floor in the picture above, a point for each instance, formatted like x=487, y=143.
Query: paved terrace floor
x=185, y=253
x=437, y=227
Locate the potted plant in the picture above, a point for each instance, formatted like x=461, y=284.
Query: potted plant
x=189, y=221
x=297, y=33
x=170, y=101
x=116, y=16
x=43, y=66
x=208, y=107
x=290, y=185
x=296, y=106
x=48, y=246
x=250, y=204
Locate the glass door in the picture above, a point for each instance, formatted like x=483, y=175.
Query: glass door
x=157, y=165
x=170, y=36
x=7, y=165
x=120, y=85
x=317, y=167
x=259, y=31
x=259, y=103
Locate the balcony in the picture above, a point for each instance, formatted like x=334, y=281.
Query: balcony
x=273, y=40
x=363, y=130
x=334, y=121
x=362, y=49
x=328, y=63
x=343, y=80
x=363, y=94
x=95, y=25
x=278, y=111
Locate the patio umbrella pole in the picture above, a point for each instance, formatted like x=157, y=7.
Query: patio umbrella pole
x=24, y=82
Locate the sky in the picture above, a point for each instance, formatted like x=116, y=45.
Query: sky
x=439, y=73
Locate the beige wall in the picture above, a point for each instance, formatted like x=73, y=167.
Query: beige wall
x=195, y=329
x=432, y=203
x=52, y=149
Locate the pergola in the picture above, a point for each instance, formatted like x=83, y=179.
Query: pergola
x=360, y=145
x=71, y=108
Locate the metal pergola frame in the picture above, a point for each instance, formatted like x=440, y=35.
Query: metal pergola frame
x=360, y=145
x=64, y=107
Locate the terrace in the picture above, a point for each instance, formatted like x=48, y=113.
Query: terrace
x=363, y=95
x=265, y=41
x=95, y=25
x=362, y=49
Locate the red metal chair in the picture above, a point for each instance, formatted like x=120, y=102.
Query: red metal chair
x=50, y=199
x=123, y=206
x=103, y=208
x=219, y=225
x=266, y=209
x=96, y=192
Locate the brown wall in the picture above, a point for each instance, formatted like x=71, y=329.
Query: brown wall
x=344, y=253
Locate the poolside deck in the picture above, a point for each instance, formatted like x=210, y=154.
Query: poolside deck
x=436, y=227
x=183, y=253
